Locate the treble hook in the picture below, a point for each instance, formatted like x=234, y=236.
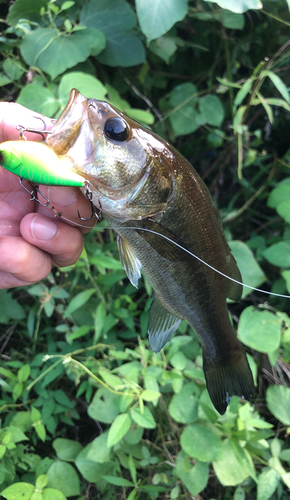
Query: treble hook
x=89, y=196
x=36, y=191
x=22, y=129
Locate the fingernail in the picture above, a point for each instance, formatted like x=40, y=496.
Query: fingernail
x=62, y=196
x=43, y=229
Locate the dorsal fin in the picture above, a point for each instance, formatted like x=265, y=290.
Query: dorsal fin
x=162, y=324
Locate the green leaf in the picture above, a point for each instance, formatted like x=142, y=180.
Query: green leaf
x=118, y=481
x=97, y=450
x=260, y=330
x=38, y=99
x=63, y=477
x=156, y=17
x=267, y=484
x=9, y=307
x=283, y=209
x=251, y=272
x=91, y=471
x=163, y=47
x=52, y=494
x=124, y=49
x=278, y=195
x=278, y=402
x=17, y=491
x=238, y=6
x=100, y=316
x=183, y=405
x=243, y=92
x=41, y=481
x=200, y=442
x=78, y=333
x=232, y=21
x=230, y=470
x=144, y=419
x=211, y=110
x=285, y=455
x=116, y=20
x=66, y=449
x=106, y=262
x=194, y=477
x=149, y=395
x=25, y=9
x=24, y=373
x=13, y=69
x=103, y=406
x=278, y=254
x=78, y=301
x=119, y=428
x=279, y=84
x=88, y=85
x=55, y=52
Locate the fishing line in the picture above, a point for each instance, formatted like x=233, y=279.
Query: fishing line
x=206, y=264
x=192, y=254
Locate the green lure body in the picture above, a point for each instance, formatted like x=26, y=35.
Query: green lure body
x=36, y=162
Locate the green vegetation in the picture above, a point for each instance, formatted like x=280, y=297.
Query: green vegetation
x=88, y=410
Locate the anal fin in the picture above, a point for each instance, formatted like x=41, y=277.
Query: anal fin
x=162, y=325
x=130, y=263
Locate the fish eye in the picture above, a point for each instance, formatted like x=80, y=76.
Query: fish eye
x=116, y=129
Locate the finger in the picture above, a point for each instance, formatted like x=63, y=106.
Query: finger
x=13, y=115
x=64, y=243
x=21, y=263
x=69, y=201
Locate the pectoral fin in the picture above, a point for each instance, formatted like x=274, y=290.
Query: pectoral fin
x=162, y=324
x=130, y=263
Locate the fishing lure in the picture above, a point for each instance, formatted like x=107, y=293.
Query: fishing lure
x=38, y=163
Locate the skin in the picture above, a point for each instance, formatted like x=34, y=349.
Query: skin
x=32, y=239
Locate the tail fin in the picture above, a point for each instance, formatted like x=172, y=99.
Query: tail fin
x=227, y=378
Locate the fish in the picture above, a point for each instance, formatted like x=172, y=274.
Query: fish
x=161, y=211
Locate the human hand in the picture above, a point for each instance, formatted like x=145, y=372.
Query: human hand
x=31, y=238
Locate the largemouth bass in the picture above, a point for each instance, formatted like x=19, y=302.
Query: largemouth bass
x=157, y=203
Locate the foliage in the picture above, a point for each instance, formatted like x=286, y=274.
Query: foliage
x=88, y=410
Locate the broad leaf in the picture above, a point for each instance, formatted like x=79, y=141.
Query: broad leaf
x=202, y=443
x=211, y=110
x=63, y=477
x=144, y=419
x=183, y=405
x=88, y=85
x=251, y=272
x=238, y=6
x=230, y=470
x=267, y=484
x=278, y=402
x=116, y=20
x=18, y=490
x=55, y=52
x=79, y=300
x=156, y=17
x=119, y=428
x=194, y=477
x=25, y=9
x=38, y=99
x=260, y=330
x=67, y=449
x=278, y=254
